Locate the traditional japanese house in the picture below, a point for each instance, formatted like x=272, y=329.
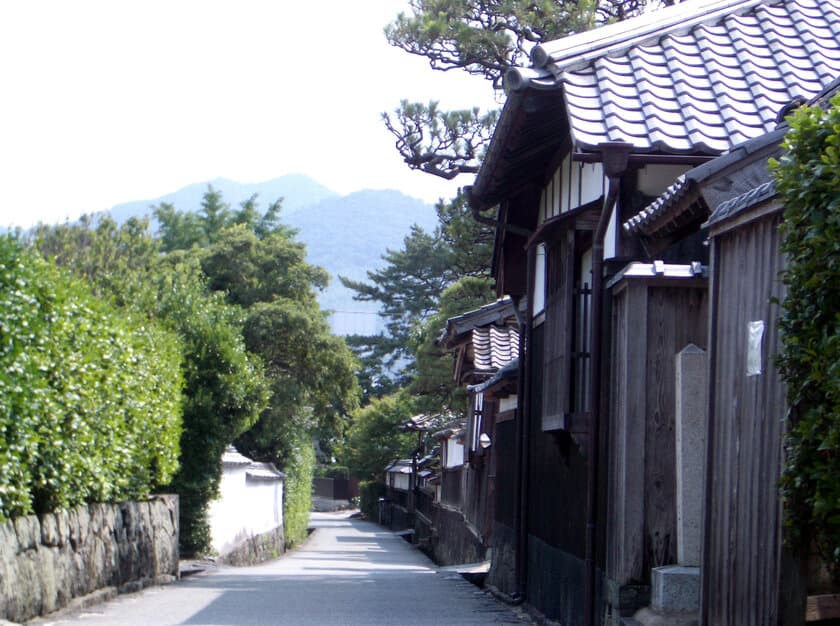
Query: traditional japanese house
x=598, y=127
x=486, y=345
x=749, y=575
x=396, y=509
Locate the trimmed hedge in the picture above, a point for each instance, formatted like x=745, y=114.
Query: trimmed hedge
x=297, y=502
x=90, y=400
x=808, y=180
x=369, y=493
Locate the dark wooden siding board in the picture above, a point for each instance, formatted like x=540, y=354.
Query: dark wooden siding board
x=652, y=321
x=626, y=551
x=505, y=453
x=558, y=333
x=742, y=575
x=556, y=473
x=615, y=435
x=659, y=466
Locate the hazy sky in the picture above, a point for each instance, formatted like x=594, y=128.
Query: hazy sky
x=103, y=102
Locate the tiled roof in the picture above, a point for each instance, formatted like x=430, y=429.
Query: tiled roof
x=425, y=422
x=457, y=327
x=698, y=77
x=264, y=472
x=676, y=191
x=508, y=372
x=232, y=457
x=494, y=346
x=685, y=189
x=732, y=207
x=400, y=466
x=254, y=470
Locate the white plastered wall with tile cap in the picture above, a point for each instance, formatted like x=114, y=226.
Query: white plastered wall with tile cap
x=245, y=508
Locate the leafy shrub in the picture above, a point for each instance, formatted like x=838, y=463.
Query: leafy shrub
x=298, y=492
x=374, y=439
x=332, y=471
x=225, y=390
x=90, y=399
x=369, y=493
x=808, y=179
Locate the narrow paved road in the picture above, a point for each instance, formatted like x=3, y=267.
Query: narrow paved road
x=349, y=572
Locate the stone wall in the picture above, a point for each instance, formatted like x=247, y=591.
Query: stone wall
x=256, y=549
x=455, y=541
x=50, y=561
x=501, y=578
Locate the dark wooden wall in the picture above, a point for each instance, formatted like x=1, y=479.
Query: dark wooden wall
x=504, y=471
x=557, y=473
x=653, y=319
x=478, y=499
x=556, y=507
x=743, y=581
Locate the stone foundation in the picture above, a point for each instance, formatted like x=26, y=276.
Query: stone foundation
x=49, y=561
x=501, y=577
x=257, y=549
x=455, y=542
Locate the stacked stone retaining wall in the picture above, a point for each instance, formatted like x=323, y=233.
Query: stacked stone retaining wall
x=51, y=561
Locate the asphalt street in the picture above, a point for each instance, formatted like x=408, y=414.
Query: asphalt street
x=349, y=572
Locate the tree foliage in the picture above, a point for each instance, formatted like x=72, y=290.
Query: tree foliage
x=113, y=259
x=482, y=38
x=225, y=388
x=254, y=263
x=409, y=288
x=184, y=230
x=808, y=180
x=374, y=440
x=90, y=398
x=442, y=143
x=433, y=384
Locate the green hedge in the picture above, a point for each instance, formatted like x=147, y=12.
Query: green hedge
x=369, y=493
x=297, y=502
x=90, y=400
x=808, y=180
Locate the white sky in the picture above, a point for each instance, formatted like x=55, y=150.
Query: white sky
x=103, y=102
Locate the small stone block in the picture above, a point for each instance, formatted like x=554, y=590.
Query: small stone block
x=675, y=588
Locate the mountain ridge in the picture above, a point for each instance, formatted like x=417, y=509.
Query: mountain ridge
x=345, y=235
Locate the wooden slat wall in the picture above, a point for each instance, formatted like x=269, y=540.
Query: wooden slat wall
x=652, y=321
x=559, y=329
x=625, y=505
x=677, y=316
x=741, y=560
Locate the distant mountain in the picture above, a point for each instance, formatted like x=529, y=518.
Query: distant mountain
x=297, y=191
x=345, y=235
x=348, y=236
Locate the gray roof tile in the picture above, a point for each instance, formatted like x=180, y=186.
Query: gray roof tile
x=732, y=207
x=494, y=347
x=701, y=76
x=685, y=185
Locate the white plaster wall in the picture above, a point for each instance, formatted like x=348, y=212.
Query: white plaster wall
x=454, y=453
x=591, y=181
x=538, y=294
x=508, y=403
x=245, y=508
x=654, y=179
x=401, y=481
